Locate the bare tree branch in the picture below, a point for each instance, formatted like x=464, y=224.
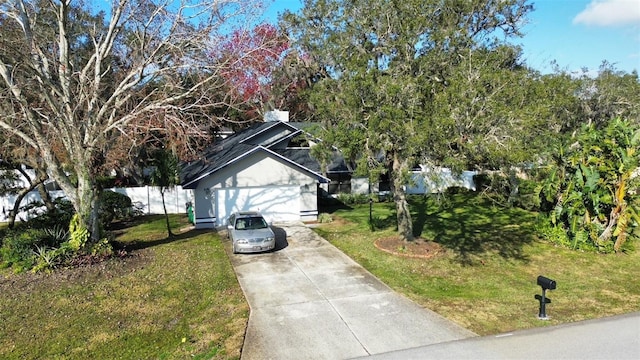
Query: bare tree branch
x=74, y=84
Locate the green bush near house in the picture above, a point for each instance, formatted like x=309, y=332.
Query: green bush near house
x=353, y=199
x=24, y=248
x=45, y=241
x=324, y=218
x=58, y=217
x=114, y=206
x=17, y=249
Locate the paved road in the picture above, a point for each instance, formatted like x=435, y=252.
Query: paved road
x=615, y=337
x=310, y=301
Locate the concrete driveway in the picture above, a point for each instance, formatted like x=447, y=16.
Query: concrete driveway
x=310, y=301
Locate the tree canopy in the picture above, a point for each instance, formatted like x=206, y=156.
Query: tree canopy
x=390, y=64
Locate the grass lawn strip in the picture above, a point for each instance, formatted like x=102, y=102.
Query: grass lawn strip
x=486, y=279
x=169, y=300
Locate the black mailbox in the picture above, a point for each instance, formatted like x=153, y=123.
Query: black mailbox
x=546, y=283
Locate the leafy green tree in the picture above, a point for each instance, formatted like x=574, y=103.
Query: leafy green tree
x=386, y=62
x=592, y=187
x=501, y=121
x=609, y=95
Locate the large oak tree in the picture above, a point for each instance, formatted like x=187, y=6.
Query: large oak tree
x=390, y=63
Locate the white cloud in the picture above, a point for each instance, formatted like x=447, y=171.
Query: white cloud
x=610, y=12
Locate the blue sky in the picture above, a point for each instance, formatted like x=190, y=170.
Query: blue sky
x=575, y=33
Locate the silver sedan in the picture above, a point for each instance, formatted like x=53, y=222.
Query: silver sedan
x=249, y=232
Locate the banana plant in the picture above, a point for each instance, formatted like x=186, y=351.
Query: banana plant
x=592, y=186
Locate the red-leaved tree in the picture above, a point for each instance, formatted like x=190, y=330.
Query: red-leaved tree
x=253, y=56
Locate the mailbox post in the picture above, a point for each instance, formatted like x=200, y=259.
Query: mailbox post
x=546, y=284
x=371, y=213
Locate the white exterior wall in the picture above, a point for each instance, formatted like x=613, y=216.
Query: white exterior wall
x=257, y=170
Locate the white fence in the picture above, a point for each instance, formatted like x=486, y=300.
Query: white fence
x=438, y=180
x=146, y=198
x=425, y=181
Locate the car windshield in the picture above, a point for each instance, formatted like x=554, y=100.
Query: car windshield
x=251, y=223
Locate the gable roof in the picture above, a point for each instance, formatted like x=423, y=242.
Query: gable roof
x=276, y=130
x=303, y=157
x=245, y=143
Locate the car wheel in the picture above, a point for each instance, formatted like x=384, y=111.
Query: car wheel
x=234, y=249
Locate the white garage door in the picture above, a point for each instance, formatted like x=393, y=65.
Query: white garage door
x=277, y=203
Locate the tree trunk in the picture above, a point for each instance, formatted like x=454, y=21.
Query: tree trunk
x=166, y=215
x=21, y=195
x=16, y=206
x=46, y=197
x=44, y=194
x=405, y=224
x=87, y=203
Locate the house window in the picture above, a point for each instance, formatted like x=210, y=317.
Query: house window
x=340, y=183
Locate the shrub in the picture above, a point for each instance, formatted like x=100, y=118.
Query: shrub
x=580, y=240
x=453, y=190
x=528, y=196
x=589, y=189
x=78, y=234
x=37, y=242
x=31, y=247
x=324, y=218
x=114, y=206
x=56, y=236
x=554, y=234
x=352, y=199
x=48, y=258
x=18, y=248
x=58, y=217
x=518, y=192
x=101, y=249
x=494, y=185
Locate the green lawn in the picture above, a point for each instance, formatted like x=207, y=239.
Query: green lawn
x=171, y=299
x=486, y=280
x=179, y=298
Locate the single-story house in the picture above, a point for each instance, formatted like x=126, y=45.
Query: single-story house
x=267, y=167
